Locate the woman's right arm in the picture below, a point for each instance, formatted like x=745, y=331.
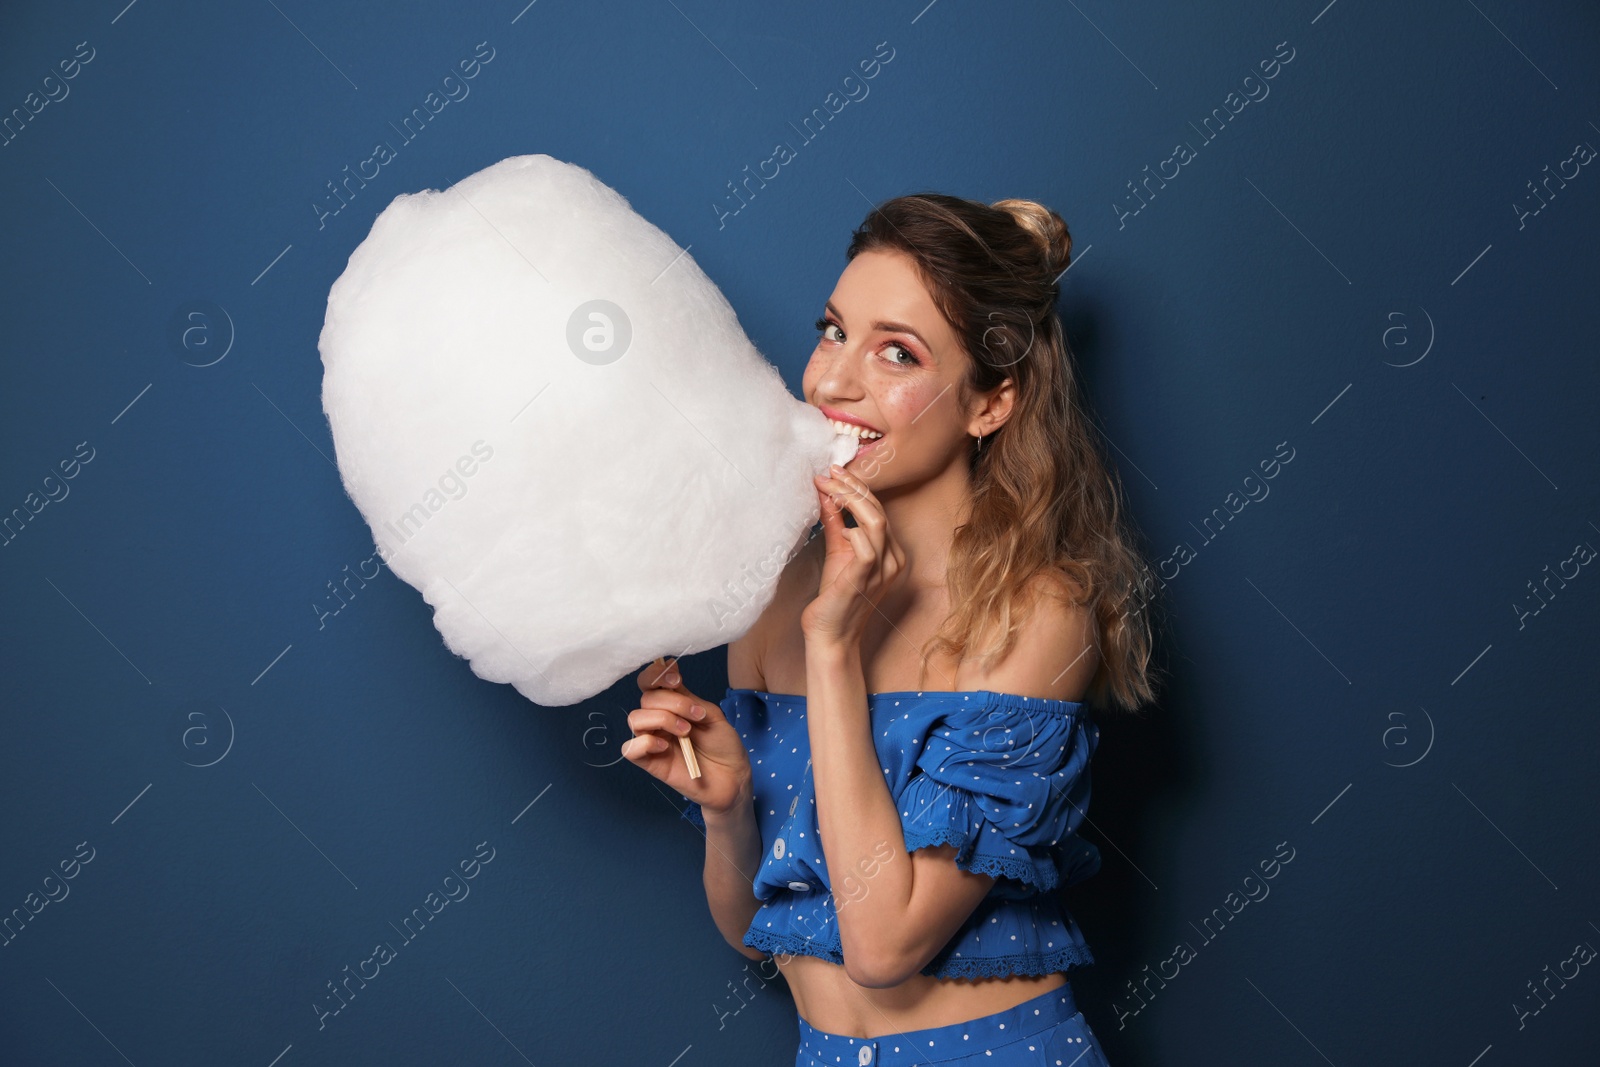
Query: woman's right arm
x=733, y=842
x=724, y=792
x=733, y=854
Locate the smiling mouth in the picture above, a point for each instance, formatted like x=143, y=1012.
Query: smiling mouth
x=850, y=429
x=848, y=449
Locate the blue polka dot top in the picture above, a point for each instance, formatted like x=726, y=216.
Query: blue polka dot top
x=1004, y=778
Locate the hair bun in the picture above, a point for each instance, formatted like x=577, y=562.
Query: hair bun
x=1048, y=230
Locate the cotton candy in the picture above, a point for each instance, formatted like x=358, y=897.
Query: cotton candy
x=558, y=432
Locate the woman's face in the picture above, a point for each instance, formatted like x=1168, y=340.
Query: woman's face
x=886, y=356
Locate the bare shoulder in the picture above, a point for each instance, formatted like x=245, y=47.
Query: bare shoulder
x=747, y=653
x=1056, y=651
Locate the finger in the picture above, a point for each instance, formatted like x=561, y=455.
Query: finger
x=644, y=746
x=660, y=675
x=855, y=495
x=864, y=504
x=651, y=675
x=842, y=500
x=833, y=528
x=849, y=523
x=862, y=511
x=869, y=514
x=865, y=547
x=643, y=719
x=682, y=703
x=870, y=518
x=850, y=478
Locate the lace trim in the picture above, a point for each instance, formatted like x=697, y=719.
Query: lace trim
x=1025, y=963
x=1018, y=869
x=1029, y=963
x=790, y=944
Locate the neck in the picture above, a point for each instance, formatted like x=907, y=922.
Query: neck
x=924, y=518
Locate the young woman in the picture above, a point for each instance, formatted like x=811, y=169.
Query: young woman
x=898, y=849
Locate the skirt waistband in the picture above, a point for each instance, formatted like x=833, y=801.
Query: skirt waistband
x=938, y=1043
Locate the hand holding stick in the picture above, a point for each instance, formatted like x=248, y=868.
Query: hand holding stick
x=666, y=677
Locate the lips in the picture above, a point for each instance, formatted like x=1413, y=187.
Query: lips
x=840, y=416
x=846, y=444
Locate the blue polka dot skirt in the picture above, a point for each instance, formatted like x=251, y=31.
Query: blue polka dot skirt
x=1047, y=1031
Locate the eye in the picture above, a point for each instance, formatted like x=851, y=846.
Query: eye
x=902, y=348
x=823, y=326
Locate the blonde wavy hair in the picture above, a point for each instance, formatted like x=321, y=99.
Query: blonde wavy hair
x=1045, y=500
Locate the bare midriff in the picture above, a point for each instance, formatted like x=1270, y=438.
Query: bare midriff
x=826, y=998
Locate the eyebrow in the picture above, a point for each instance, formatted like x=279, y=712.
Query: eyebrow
x=888, y=327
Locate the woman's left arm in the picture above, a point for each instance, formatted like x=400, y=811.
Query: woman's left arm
x=910, y=904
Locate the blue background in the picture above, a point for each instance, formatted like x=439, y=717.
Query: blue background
x=1342, y=266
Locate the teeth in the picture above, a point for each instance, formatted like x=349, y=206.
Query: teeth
x=855, y=431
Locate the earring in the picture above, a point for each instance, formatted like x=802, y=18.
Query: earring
x=980, y=442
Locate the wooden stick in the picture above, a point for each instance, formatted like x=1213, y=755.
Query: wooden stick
x=688, y=756
x=683, y=742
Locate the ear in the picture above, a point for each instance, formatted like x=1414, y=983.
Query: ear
x=994, y=409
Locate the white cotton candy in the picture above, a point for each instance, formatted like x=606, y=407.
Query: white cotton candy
x=569, y=519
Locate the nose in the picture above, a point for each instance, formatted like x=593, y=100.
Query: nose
x=839, y=382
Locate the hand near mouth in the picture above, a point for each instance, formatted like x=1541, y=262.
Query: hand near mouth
x=862, y=563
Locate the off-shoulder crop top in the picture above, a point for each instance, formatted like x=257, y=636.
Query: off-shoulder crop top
x=1004, y=778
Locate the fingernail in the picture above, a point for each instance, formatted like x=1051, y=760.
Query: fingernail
x=697, y=711
x=672, y=678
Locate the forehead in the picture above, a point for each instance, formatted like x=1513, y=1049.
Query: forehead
x=885, y=285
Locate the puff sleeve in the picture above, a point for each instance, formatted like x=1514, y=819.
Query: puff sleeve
x=1007, y=783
